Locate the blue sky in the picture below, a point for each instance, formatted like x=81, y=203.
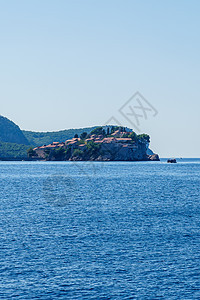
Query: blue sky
x=70, y=64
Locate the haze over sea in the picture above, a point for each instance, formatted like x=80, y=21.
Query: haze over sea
x=113, y=230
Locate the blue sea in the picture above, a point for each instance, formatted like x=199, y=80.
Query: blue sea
x=93, y=230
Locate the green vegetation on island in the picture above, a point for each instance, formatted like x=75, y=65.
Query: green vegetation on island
x=113, y=144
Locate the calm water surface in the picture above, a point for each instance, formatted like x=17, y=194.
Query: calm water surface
x=100, y=230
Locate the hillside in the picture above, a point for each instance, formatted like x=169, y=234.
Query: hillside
x=45, y=138
x=12, y=151
x=11, y=133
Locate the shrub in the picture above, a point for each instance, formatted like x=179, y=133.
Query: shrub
x=78, y=153
x=98, y=131
x=31, y=152
x=133, y=136
x=59, y=153
x=92, y=147
x=114, y=128
x=144, y=138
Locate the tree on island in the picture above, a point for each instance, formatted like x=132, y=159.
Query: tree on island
x=98, y=131
x=92, y=147
x=144, y=137
x=133, y=136
x=114, y=128
x=31, y=152
x=83, y=135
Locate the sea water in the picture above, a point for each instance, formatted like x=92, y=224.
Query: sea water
x=112, y=230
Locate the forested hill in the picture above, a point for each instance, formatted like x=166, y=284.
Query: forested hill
x=11, y=133
x=45, y=138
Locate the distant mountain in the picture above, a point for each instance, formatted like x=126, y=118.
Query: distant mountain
x=11, y=133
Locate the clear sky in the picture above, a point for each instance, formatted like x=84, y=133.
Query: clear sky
x=70, y=64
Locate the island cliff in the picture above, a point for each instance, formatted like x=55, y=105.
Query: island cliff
x=114, y=145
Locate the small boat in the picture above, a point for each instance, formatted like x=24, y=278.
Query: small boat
x=172, y=161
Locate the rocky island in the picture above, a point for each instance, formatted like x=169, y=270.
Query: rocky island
x=113, y=144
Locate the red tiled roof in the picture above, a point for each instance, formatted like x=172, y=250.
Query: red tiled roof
x=40, y=147
x=72, y=143
x=116, y=132
x=51, y=146
x=109, y=139
x=123, y=139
